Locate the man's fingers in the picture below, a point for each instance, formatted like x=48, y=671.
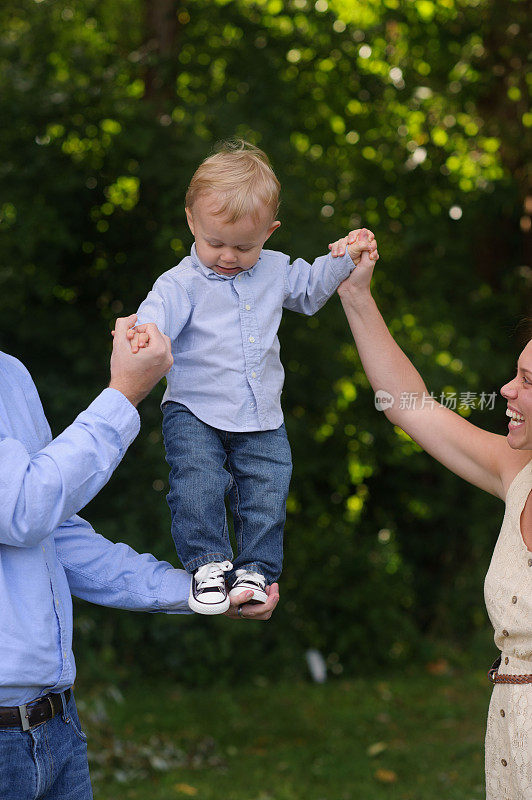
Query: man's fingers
x=122, y=324
x=257, y=612
x=241, y=598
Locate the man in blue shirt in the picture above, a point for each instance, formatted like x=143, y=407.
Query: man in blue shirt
x=48, y=553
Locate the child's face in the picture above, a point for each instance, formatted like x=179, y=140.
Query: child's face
x=226, y=247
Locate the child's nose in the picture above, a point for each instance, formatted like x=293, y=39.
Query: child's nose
x=228, y=255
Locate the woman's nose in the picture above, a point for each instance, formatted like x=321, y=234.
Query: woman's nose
x=509, y=389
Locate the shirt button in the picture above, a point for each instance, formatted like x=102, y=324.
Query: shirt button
x=514, y=599
x=248, y=307
x=505, y=633
x=253, y=374
x=251, y=338
x=530, y=562
x=506, y=660
x=504, y=762
x=502, y=712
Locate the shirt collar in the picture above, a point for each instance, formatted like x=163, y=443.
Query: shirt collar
x=210, y=273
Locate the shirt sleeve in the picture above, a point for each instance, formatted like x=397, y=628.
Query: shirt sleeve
x=167, y=305
x=309, y=286
x=41, y=490
x=115, y=575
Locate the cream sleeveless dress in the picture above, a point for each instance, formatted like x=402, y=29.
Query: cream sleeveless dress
x=508, y=594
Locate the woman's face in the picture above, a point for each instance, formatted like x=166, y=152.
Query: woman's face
x=518, y=393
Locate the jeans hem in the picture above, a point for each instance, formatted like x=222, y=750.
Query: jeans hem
x=200, y=561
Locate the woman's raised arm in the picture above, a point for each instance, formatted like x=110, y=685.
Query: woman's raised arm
x=476, y=455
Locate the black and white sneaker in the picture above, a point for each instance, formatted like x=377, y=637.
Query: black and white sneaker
x=208, y=593
x=246, y=581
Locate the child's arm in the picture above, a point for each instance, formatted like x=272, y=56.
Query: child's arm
x=309, y=286
x=167, y=305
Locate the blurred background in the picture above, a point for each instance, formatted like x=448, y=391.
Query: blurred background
x=408, y=116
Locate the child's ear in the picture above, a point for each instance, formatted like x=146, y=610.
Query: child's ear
x=273, y=227
x=190, y=220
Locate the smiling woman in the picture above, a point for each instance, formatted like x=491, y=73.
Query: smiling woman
x=501, y=465
x=518, y=393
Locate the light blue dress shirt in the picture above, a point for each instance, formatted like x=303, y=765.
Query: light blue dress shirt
x=227, y=368
x=47, y=552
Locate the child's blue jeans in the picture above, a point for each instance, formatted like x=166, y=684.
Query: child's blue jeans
x=206, y=464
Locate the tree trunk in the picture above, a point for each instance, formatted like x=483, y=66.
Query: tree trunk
x=162, y=26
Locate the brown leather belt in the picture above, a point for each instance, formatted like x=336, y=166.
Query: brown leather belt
x=496, y=677
x=31, y=714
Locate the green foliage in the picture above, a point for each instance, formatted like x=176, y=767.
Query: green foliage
x=408, y=117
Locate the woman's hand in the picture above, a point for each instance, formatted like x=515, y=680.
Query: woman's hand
x=241, y=609
x=357, y=285
x=356, y=242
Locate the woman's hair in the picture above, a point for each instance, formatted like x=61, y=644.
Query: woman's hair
x=242, y=178
x=524, y=331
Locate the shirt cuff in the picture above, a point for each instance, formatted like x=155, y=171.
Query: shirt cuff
x=174, y=592
x=116, y=409
x=342, y=266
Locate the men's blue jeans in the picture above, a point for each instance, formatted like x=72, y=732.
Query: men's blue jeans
x=48, y=762
x=252, y=469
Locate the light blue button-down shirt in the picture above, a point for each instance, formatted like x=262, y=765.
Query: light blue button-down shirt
x=47, y=552
x=227, y=369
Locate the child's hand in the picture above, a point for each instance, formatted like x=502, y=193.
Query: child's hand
x=356, y=242
x=138, y=338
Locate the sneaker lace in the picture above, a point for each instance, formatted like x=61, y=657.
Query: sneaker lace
x=248, y=575
x=211, y=576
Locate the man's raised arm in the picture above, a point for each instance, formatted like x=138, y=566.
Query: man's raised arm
x=42, y=488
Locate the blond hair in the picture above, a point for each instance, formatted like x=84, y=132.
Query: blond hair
x=242, y=177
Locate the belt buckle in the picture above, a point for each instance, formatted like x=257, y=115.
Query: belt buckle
x=24, y=718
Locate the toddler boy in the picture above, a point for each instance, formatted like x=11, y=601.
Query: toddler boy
x=222, y=421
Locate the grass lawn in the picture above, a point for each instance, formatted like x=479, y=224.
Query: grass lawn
x=414, y=736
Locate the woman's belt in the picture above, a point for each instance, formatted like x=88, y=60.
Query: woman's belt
x=495, y=676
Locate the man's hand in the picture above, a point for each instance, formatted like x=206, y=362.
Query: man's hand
x=356, y=242
x=135, y=374
x=241, y=609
